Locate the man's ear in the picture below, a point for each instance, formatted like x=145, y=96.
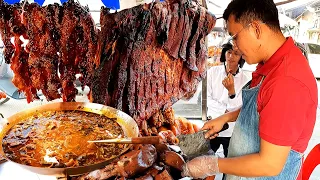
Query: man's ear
x=257, y=29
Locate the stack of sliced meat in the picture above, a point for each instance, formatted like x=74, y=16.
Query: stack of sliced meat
x=151, y=56
x=62, y=42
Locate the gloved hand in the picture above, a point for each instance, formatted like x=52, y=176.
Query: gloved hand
x=201, y=167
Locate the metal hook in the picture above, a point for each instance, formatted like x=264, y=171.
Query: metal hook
x=152, y=5
x=82, y=6
x=24, y=3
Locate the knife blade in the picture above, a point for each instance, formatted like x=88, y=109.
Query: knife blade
x=193, y=145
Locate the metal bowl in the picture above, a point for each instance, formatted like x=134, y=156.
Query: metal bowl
x=127, y=123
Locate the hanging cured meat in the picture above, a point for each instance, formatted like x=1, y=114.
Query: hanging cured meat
x=151, y=56
x=144, y=59
x=62, y=42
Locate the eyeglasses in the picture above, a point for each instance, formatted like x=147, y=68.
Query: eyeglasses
x=233, y=38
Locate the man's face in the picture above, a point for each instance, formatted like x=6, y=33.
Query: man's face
x=244, y=40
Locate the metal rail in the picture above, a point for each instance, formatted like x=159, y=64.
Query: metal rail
x=204, y=82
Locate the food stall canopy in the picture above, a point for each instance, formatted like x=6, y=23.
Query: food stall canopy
x=295, y=4
x=93, y=4
x=217, y=6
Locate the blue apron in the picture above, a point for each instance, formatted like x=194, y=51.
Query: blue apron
x=246, y=140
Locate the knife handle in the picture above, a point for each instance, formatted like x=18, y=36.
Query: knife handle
x=146, y=140
x=225, y=127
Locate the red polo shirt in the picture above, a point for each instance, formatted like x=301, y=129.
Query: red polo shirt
x=288, y=98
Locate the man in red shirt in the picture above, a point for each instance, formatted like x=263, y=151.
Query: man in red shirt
x=278, y=115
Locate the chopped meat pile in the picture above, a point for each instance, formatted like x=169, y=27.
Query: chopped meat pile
x=134, y=162
x=145, y=162
x=142, y=163
x=151, y=56
x=61, y=42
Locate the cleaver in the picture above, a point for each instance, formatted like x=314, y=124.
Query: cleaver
x=193, y=145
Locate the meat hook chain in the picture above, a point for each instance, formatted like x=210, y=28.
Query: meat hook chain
x=204, y=107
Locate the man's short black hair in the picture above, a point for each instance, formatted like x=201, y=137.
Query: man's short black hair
x=246, y=11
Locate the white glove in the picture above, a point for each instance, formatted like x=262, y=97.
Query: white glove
x=201, y=167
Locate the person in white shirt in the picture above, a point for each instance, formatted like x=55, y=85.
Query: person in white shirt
x=224, y=91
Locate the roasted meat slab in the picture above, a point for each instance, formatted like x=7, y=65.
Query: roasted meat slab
x=151, y=56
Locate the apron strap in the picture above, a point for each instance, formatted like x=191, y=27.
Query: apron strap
x=247, y=86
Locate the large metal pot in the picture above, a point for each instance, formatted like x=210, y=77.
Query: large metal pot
x=129, y=126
